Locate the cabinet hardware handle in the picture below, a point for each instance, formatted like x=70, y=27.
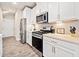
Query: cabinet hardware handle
x=53, y=41
x=54, y=49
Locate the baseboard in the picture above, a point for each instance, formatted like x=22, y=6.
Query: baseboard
x=29, y=44
x=17, y=39
x=8, y=37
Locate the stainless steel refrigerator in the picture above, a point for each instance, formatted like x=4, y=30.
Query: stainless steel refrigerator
x=23, y=30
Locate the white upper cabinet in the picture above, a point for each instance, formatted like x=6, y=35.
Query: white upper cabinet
x=42, y=7
x=57, y=10
x=62, y=11
x=66, y=10
x=51, y=8
x=76, y=7
x=26, y=12
x=53, y=11
x=33, y=14
x=27, y=15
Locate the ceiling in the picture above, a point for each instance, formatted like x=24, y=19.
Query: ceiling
x=11, y=7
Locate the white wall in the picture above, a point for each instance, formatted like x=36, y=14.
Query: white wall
x=8, y=25
x=18, y=16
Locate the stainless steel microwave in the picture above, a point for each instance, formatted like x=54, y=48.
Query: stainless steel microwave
x=43, y=18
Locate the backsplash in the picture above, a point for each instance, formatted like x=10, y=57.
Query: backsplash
x=41, y=26
x=66, y=26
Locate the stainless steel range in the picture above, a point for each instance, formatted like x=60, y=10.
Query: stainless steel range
x=37, y=34
x=37, y=39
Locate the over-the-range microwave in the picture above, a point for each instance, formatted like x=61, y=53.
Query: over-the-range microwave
x=43, y=18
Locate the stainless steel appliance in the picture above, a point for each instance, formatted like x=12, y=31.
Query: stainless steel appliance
x=23, y=30
x=43, y=18
x=37, y=39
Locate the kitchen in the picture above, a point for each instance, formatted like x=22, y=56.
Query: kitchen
x=49, y=28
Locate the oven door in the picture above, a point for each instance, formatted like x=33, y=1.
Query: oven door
x=37, y=43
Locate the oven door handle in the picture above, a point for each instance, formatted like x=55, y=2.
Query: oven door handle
x=37, y=37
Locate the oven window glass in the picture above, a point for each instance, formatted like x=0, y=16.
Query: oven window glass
x=42, y=18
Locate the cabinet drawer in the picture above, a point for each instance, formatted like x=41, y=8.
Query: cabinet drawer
x=65, y=44
x=72, y=47
x=60, y=52
x=50, y=40
x=68, y=45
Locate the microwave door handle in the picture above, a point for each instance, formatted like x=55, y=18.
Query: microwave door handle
x=43, y=18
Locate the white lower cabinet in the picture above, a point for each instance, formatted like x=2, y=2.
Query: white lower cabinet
x=29, y=38
x=0, y=45
x=48, y=49
x=53, y=48
x=60, y=52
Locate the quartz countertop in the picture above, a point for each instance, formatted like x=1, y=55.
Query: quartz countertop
x=64, y=37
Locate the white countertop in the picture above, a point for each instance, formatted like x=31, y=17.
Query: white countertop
x=64, y=37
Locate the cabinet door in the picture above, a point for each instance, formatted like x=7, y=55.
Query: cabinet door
x=48, y=49
x=76, y=7
x=53, y=11
x=26, y=12
x=66, y=10
x=34, y=14
x=60, y=52
x=44, y=6
x=29, y=38
x=0, y=45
